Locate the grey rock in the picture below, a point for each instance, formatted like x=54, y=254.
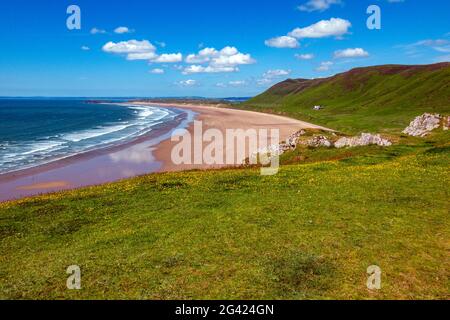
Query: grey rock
x=319, y=141
x=364, y=140
x=423, y=125
x=292, y=140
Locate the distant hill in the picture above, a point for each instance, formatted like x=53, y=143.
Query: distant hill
x=380, y=98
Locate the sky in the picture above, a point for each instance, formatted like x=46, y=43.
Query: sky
x=206, y=48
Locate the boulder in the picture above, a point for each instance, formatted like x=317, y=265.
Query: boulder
x=423, y=125
x=292, y=140
x=319, y=141
x=364, y=140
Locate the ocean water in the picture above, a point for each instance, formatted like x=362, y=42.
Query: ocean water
x=37, y=131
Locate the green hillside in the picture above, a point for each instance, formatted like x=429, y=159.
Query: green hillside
x=381, y=98
x=309, y=232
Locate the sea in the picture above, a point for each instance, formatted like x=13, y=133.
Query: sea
x=41, y=130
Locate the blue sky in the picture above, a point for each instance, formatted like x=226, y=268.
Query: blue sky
x=247, y=45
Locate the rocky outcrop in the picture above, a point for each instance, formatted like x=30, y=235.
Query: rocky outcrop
x=424, y=124
x=319, y=141
x=364, y=140
x=279, y=149
x=292, y=140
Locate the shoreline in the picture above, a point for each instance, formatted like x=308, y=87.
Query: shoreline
x=226, y=118
x=146, y=154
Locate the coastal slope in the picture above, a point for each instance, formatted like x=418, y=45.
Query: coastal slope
x=379, y=98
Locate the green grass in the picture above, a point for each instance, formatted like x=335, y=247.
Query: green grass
x=375, y=99
x=308, y=232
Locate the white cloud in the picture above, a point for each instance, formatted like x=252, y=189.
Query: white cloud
x=161, y=44
x=324, y=66
x=226, y=60
x=97, y=31
x=430, y=43
x=187, y=83
x=282, y=42
x=208, y=69
x=142, y=56
x=85, y=48
x=203, y=56
x=271, y=75
x=141, y=50
x=307, y=56
x=351, y=53
x=157, y=71
x=439, y=45
x=276, y=73
x=318, y=5
x=168, y=58
x=130, y=46
x=122, y=30
x=443, y=58
x=335, y=27
x=237, y=83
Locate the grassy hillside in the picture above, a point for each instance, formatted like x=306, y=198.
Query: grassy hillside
x=381, y=98
x=308, y=232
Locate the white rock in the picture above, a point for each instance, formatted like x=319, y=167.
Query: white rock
x=319, y=141
x=292, y=140
x=364, y=140
x=423, y=125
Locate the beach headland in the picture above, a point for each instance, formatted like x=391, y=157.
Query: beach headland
x=146, y=154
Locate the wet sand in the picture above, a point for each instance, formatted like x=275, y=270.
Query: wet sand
x=147, y=154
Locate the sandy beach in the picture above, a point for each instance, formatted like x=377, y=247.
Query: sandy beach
x=223, y=119
x=144, y=155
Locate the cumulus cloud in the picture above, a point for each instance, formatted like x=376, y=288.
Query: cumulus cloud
x=335, y=27
x=157, y=71
x=324, y=66
x=276, y=73
x=282, y=42
x=122, y=30
x=318, y=5
x=187, y=83
x=97, y=31
x=351, y=53
x=130, y=46
x=203, y=56
x=226, y=60
x=141, y=50
x=306, y=56
x=168, y=58
x=85, y=48
x=270, y=76
x=208, y=69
